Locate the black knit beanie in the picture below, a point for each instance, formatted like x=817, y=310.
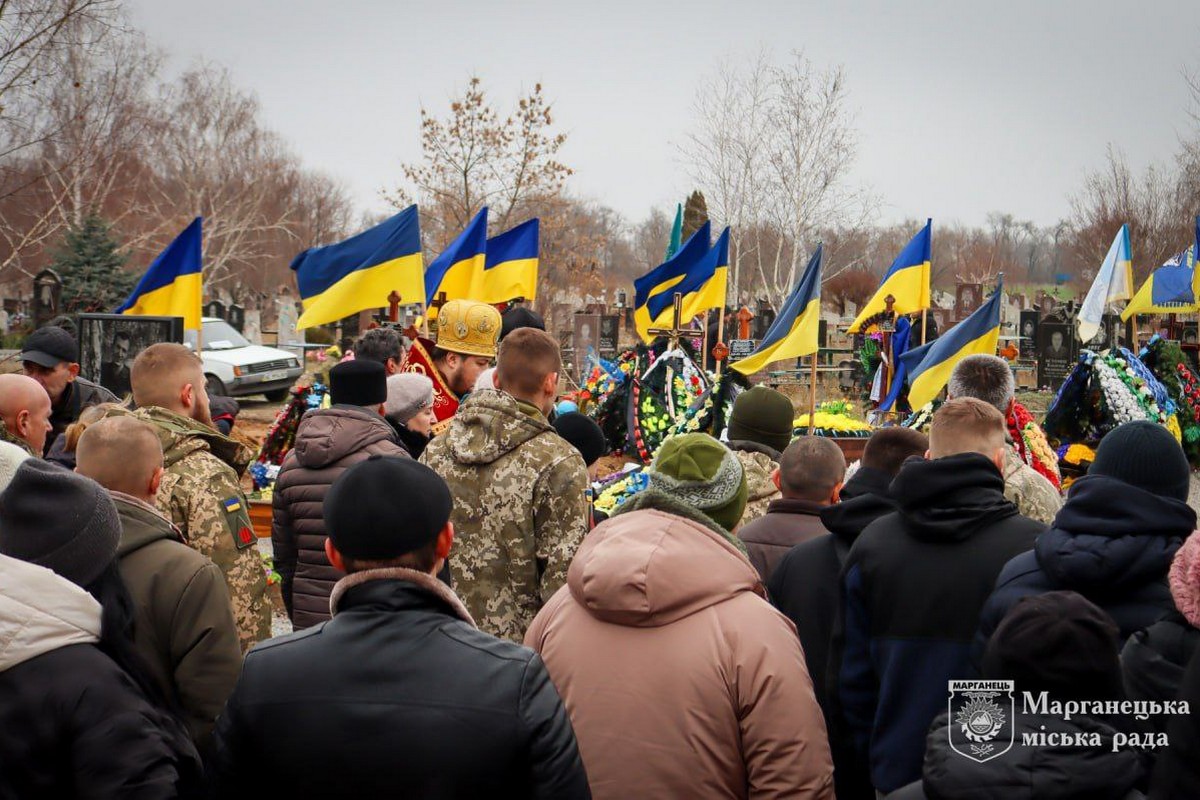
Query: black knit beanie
x=1144, y=455
x=59, y=520
x=361, y=382
x=1057, y=642
x=582, y=432
x=385, y=507
x=520, y=317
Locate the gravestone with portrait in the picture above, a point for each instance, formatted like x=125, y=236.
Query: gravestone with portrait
x=1027, y=329
x=214, y=308
x=763, y=320
x=236, y=316
x=108, y=344
x=610, y=333
x=1057, y=349
x=47, y=297
x=585, y=337
x=968, y=297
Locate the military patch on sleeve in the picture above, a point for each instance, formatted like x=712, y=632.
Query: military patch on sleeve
x=238, y=522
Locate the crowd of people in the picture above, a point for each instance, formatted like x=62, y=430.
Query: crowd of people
x=762, y=620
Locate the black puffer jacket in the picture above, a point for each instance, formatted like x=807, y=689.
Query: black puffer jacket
x=1031, y=772
x=78, y=395
x=328, y=442
x=398, y=695
x=1154, y=659
x=1112, y=543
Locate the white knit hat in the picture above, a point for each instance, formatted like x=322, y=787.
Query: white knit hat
x=11, y=457
x=407, y=393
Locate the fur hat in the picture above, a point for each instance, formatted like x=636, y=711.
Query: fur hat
x=358, y=383
x=60, y=520
x=407, y=393
x=703, y=473
x=763, y=416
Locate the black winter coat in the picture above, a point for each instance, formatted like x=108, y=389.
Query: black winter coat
x=1154, y=659
x=805, y=588
x=1112, y=543
x=1031, y=772
x=78, y=395
x=74, y=725
x=912, y=589
x=399, y=695
x=1177, y=773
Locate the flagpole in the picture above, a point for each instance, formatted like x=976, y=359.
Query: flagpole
x=812, y=393
x=720, y=333
x=924, y=311
x=704, y=351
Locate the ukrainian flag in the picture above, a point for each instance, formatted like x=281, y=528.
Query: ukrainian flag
x=173, y=285
x=663, y=277
x=1114, y=281
x=1169, y=288
x=511, y=267
x=794, y=332
x=458, y=271
x=929, y=366
x=702, y=288
x=341, y=279
x=907, y=280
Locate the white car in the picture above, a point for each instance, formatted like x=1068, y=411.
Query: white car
x=233, y=367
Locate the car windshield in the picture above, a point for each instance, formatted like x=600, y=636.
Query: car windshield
x=221, y=335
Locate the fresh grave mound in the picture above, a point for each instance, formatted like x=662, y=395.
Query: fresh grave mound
x=1171, y=367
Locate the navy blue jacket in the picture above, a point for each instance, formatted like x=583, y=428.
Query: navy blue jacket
x=1112, y=543
x=912, y=589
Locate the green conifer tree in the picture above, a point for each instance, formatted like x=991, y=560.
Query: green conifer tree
x=92, y=268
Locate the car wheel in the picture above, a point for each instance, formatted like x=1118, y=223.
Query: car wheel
x=278, y=396
x=213, y=385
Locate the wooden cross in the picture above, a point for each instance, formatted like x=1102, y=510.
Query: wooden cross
x=436, y=305
x=744, y=315
x=394, y=306
x=675, y=332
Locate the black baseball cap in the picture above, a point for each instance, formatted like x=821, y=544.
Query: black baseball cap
x=50, y=346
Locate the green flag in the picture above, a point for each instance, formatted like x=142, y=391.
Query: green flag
x=676, y=233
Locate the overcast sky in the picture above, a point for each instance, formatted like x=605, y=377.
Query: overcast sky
x=962, y=107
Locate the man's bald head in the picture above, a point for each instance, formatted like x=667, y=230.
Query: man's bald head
x=811, y=468
x=121, y=454
x=25, y=409
x=170, y=376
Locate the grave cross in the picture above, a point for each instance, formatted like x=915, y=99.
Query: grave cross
x=675, y=332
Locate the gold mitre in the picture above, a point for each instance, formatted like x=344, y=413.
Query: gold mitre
x=468, y=327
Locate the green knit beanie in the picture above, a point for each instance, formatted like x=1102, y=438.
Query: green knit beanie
x=764, y=416
x=696, y=469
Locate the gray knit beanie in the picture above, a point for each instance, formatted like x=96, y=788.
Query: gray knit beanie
x=60, y=520
x=11, y=457
x=407, y=394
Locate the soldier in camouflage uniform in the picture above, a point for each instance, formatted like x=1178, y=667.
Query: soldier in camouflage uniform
x=519, y=489
x=201, y=491
x=989, y=379
x=760, y=471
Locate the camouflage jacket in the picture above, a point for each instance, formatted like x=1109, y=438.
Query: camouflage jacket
x=520, y=508
x=759, y=468
x=202, y=495
x=1034, y=495
x=12, y=438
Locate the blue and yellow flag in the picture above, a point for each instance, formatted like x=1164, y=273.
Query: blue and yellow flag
x=1114, y=281
x=1168, y=289
x=663, y=277
x=929, y=366
x=907, y=280
x=511, y=267
x=703, y=287
x=341, y=279
x=794, y=332
x=458, y=271
x=173, y=286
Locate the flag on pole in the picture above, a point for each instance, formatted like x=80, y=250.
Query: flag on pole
x=173, y=285
x=702, y=288
x=676, y=233
x=794, y=332
x=665, y=276
x=458, y=271
x=511, y=265
x=341, y=279
x=1168, y=289
x=1113, y=282
x=907, y=280
x=929, y=366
